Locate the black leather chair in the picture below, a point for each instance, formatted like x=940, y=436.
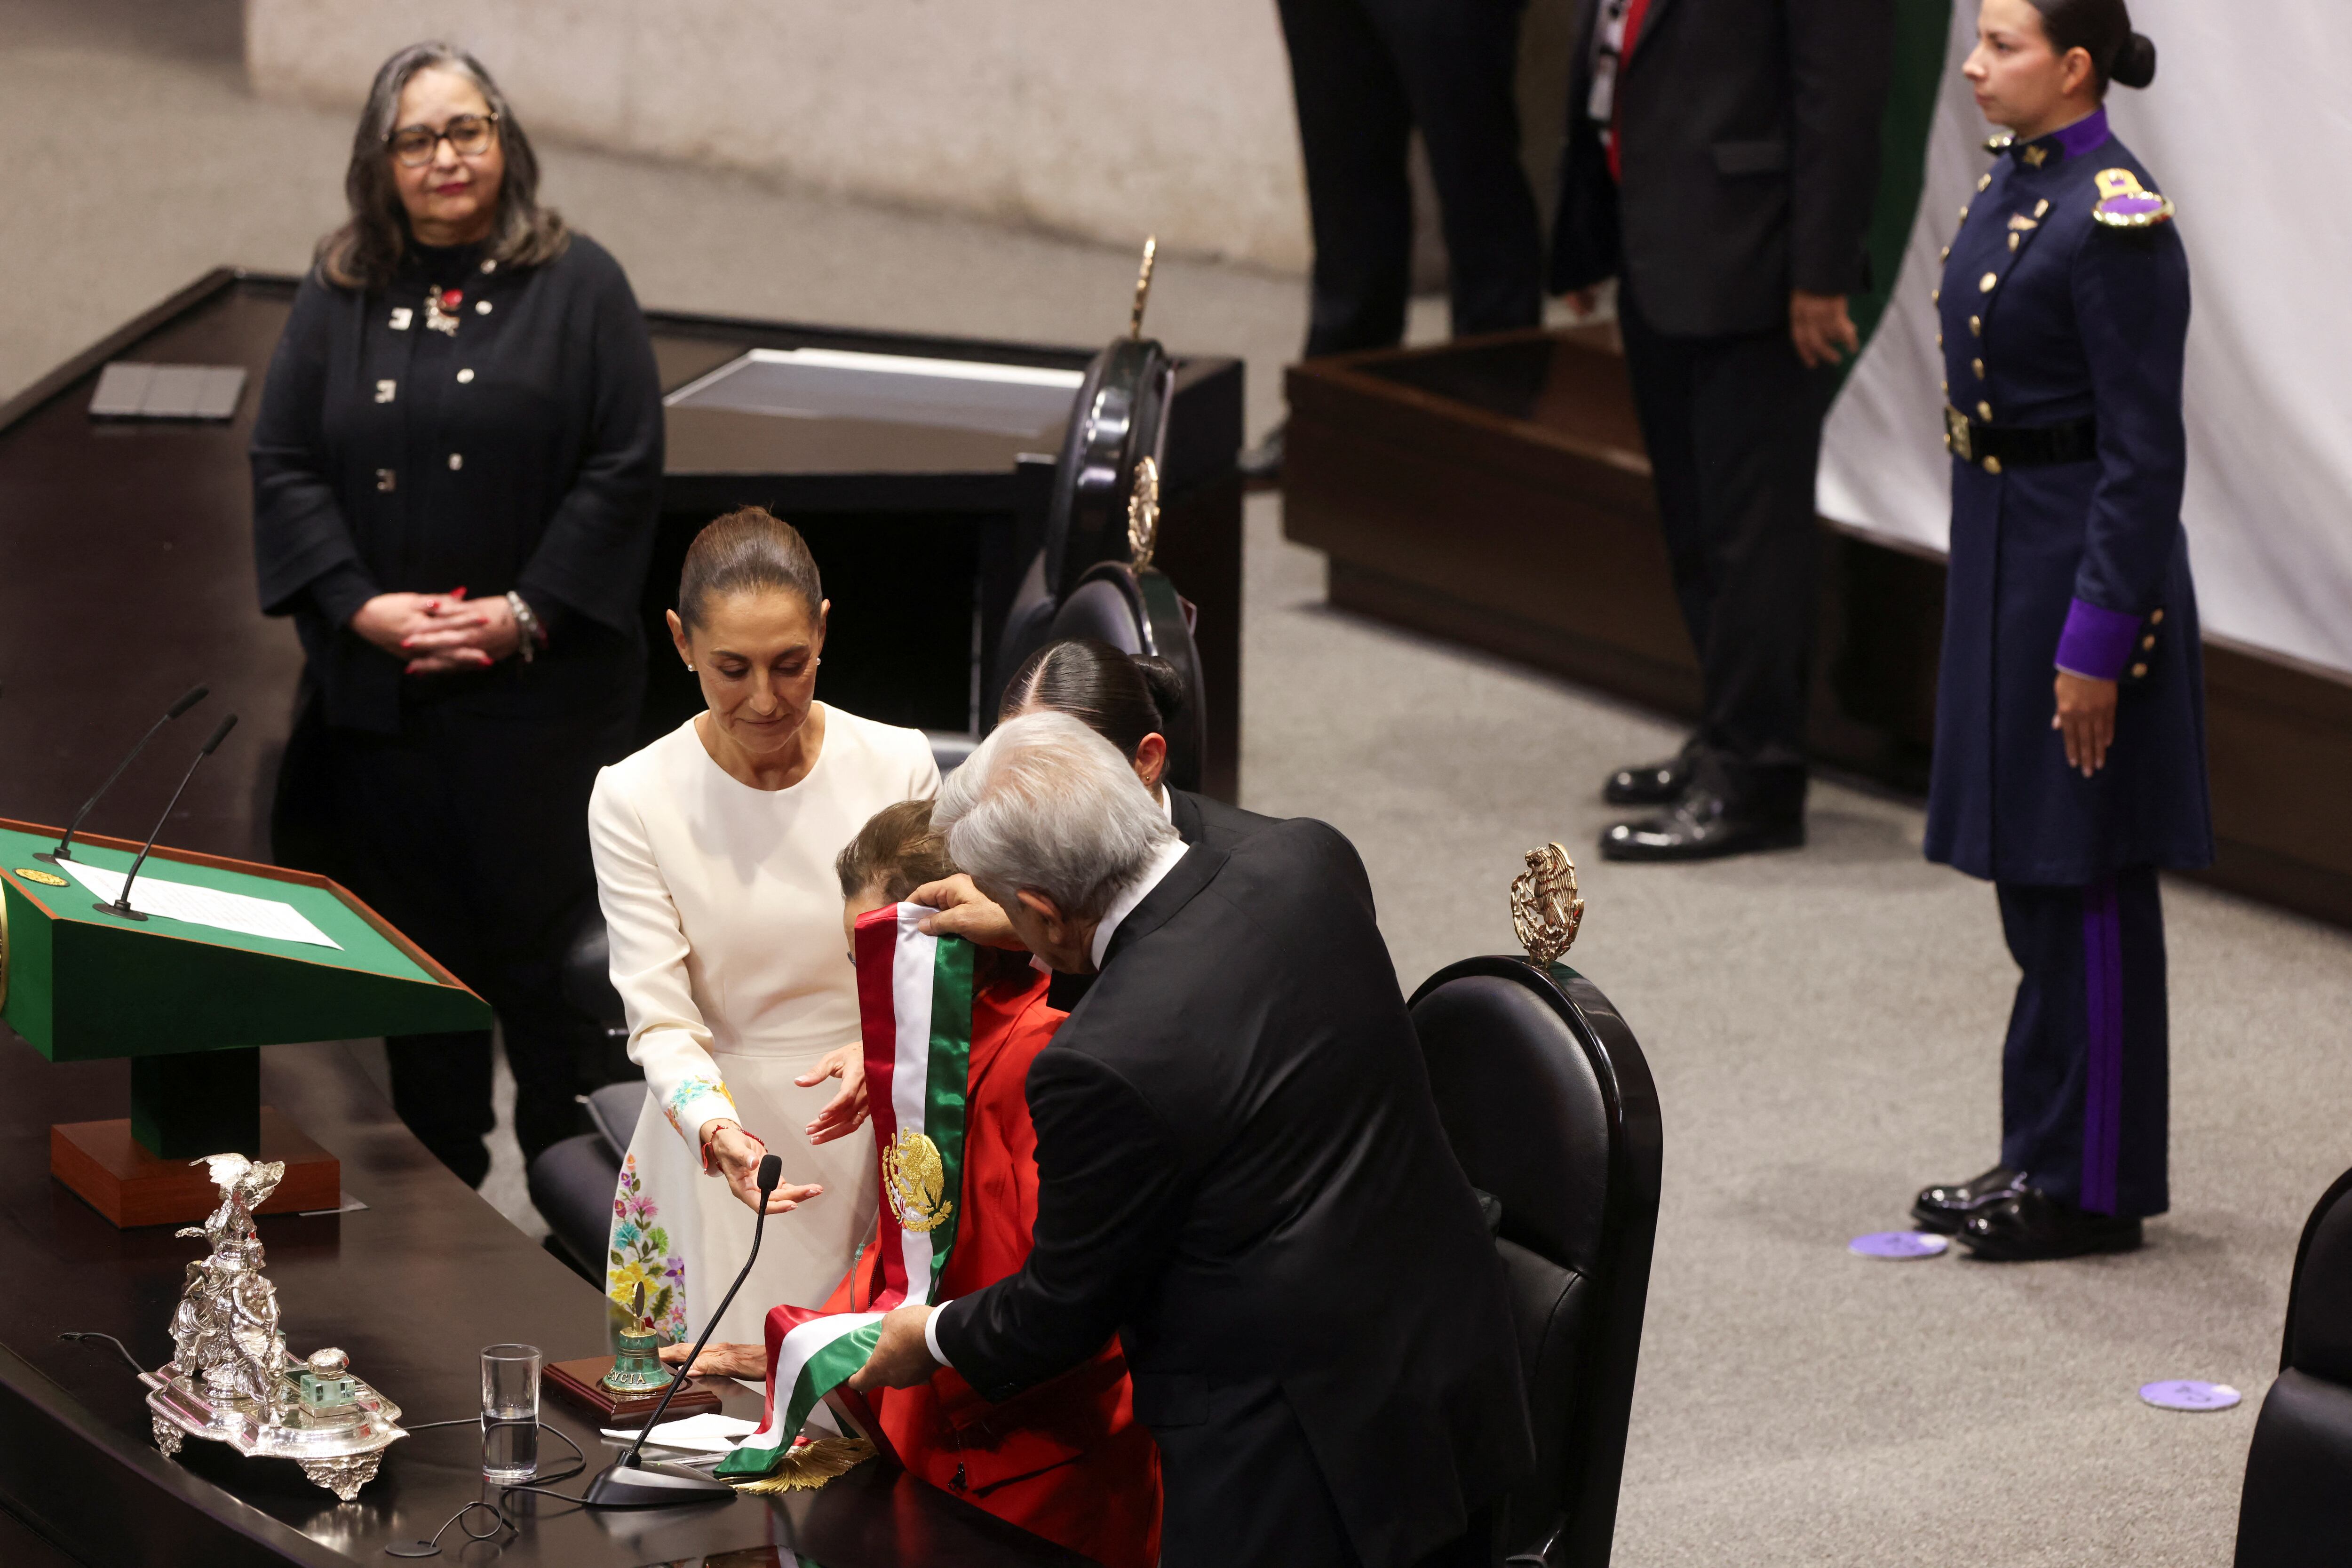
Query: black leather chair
x=1552, y=1113
x=572, y=1182
x=1119, y=417
x=1141, y=611
x=2296, y=1510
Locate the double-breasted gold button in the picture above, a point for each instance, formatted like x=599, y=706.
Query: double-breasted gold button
x=1988, y=283
x=2138, y=671
x=2156, y=617
x=1984, y=412
x=1975, y=326
x=2146, y=643
x=1977, y=365
x=1993, y=465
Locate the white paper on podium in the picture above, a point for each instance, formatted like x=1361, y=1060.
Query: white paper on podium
x=153, y=895
x=709, y=1433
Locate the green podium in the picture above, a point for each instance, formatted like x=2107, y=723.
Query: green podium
x=231, y=956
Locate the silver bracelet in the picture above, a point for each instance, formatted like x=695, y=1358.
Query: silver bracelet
x=527, y=623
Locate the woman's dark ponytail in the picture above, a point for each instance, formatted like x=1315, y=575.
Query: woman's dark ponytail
x=2103, y=30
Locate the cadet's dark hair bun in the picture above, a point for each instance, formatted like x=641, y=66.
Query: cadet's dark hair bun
x=2135, y=63
x=2103, y=30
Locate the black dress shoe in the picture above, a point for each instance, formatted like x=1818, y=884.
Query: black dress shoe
x=1262, y=464
x=1651, y=784
x=1944, y=1209
x=1699, y=827
x=2029, y=1225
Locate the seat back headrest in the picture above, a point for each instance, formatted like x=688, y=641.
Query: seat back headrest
x=1524, y=1108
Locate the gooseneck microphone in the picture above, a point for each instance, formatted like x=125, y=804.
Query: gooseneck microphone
x=121, y=904
x=65, y=845
x=627, y=1482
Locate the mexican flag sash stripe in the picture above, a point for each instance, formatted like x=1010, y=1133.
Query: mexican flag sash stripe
x=914, y=1003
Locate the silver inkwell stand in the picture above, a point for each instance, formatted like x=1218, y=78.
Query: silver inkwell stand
x=230, y=1379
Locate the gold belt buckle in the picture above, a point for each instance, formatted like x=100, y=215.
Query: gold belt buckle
x=1956, y=435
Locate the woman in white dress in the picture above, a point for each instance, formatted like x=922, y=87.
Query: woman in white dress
x=714, y=863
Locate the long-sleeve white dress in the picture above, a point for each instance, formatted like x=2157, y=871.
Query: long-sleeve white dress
x=725, y=921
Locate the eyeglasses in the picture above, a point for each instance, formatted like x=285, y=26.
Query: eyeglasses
x=468, y=135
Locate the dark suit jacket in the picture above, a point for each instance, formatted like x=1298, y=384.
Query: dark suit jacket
x=1750, y=135
x=1242, y=1174
x=1205, y=819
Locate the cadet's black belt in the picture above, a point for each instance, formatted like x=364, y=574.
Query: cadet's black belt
x=1999, y=446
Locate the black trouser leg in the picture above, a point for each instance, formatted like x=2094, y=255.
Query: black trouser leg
x=2084, y=1082
x=1733, y=427
x=441, y=1088
x=1354, y=122
x=1459, y=62
x=469, y=834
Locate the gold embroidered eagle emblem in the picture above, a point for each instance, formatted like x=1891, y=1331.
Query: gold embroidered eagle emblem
x=916, y=1180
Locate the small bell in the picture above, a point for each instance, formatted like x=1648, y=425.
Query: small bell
x=636, y=1361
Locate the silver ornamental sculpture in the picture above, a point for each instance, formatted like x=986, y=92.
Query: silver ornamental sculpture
x=230, y=1379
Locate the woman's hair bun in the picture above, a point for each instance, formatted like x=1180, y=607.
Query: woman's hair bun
x=2134, y=62
x=1165, y=683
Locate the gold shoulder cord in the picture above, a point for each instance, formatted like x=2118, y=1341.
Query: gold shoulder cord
x=1546, y=911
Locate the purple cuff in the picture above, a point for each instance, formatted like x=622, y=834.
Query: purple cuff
x=2096, y=643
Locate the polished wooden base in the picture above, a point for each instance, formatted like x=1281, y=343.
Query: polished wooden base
x=110, y=1170
x=577, y=1381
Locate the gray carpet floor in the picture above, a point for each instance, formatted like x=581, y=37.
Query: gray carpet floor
x=1824, y=1024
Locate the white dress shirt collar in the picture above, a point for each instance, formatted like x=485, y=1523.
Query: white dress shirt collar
x=1162, y=862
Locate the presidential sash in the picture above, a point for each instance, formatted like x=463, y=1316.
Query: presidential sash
x=914, y=1005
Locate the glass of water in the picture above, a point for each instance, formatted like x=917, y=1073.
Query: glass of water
x=510, y=1413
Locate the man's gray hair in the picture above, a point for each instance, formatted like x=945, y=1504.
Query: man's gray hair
x=1048, y=804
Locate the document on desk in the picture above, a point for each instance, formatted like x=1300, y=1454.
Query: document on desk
x=710, y=1433
x=153, y=895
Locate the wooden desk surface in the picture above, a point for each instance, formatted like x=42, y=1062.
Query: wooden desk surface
x=412, y=1286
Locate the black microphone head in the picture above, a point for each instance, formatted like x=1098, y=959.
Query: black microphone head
x=195, y=694
x=219, y=735
x=772, y=1174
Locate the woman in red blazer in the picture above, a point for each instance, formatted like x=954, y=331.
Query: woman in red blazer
x=1067, y=1459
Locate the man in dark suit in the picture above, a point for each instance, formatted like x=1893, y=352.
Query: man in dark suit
x=1722, y=159
x=1242, y=1175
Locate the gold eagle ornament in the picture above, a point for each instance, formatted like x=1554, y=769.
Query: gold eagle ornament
x=1143, y=515
x=1545, y=908
x=916, y=1180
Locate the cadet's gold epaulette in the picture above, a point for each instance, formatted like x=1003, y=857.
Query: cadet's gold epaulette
x=2000, y=140
x=2124, y=202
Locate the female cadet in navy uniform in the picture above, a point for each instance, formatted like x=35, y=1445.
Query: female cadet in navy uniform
x=2064, y=310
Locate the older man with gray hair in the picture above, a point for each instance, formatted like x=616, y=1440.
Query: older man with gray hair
x=1241, y=1173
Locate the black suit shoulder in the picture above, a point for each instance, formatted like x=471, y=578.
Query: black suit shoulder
x=1205, y=819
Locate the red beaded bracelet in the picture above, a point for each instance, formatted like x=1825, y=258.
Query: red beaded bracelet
x=746, y=1133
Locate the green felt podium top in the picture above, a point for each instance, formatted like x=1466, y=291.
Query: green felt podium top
x=81, y=984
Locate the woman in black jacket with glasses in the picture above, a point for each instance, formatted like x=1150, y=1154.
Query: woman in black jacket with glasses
x=456, y=473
